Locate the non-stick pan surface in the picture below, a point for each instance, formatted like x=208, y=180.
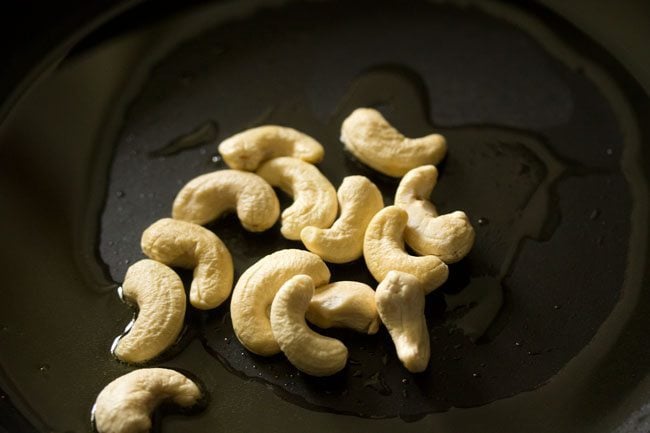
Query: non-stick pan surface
x=538, y=329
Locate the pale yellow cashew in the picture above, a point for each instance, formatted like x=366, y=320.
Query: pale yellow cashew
x=373, y=141
x=160, y=297
x=207, y=197
x=256, y=288
x=400, y=302
x=248, y=149
x=449, y=236
x=187, y=245
x=125, y=405
x=314, y=196
x=344, y=304
x=359, y=200
x=383, y=250
x=307, y=350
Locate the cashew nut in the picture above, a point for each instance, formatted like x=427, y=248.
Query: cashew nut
x=160, y=297
x=359, y=200
x=314, y=196
x=125, y=405
x=307, y=350
x=187, y=245
x=400, y=302
x=383, y=250
x=207, y=197
x=248, y=149
x=256, y=288
x=372, y=140
x=344, y=304
x=448, y=236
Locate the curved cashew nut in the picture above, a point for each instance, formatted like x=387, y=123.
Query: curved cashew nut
x=448, y=236
x=125, y=405
x=205, y=198
x=383, y=250
x=400, y=302
x=359, y=200
x=160, y=297
x=314, y=196
x=256, y=288
x=187, y=245
x=372, y=140
x=344, y=304
x=307, y=350
x=248, y=149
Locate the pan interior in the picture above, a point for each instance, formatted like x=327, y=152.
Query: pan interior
x=533, y=159
x=536, y=159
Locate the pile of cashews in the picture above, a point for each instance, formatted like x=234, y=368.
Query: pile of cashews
x=274, y=298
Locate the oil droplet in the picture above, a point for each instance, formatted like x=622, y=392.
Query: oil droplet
x=609, y=151
x=517, y=343
x=119, y=194
x=44, y=368
x=483, y=221
x=594, y=214
x=556, y=307
x=226, y=340
x=216, y=158
x=476, y=375
x=405, y=381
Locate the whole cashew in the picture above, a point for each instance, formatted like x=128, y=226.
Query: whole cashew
x=207, y=197
x=248, y=149
x=448, y=236
x=344, y=304
x=359, y=200
x=256, y=288
x=383, y=250
x=307, y=350
x=160, y=297
x=187, y=245
x=372, y=140
x=125, y=405
x=314, y=196
x=400, y=302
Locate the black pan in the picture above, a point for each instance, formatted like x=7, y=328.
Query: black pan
x=541, y=328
